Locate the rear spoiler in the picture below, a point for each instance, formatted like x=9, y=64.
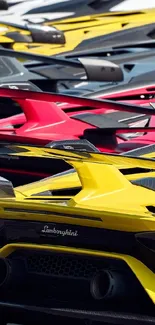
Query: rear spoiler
x=32, y=106
x=96, y=70
x=95, y=157
x=22, y=95
x=110, y=49
x=120, y=38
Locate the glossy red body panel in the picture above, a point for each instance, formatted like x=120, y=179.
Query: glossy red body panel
x=43, y=120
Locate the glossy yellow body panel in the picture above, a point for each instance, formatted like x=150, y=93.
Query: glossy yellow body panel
x=107, y=198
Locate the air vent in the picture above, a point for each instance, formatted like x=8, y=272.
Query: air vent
x=125, y=24
x=151, y=208
x=129, y=67
x=136, y=170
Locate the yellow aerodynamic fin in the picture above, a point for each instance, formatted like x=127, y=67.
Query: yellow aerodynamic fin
x=104, y=187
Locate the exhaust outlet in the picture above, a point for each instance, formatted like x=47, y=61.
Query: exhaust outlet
x=5, y=272
x=12, y=272
x=110, y=284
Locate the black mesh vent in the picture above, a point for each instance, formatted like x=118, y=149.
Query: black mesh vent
x=64, y=266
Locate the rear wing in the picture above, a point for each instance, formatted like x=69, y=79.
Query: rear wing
x=107, y=129
x=22, y=95
x=95, y=69
x=95, y=157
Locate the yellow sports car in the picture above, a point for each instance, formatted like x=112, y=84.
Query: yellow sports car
x=80, y=241
x=68, y=34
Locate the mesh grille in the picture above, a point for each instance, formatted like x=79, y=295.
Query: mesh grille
x=66, y=266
